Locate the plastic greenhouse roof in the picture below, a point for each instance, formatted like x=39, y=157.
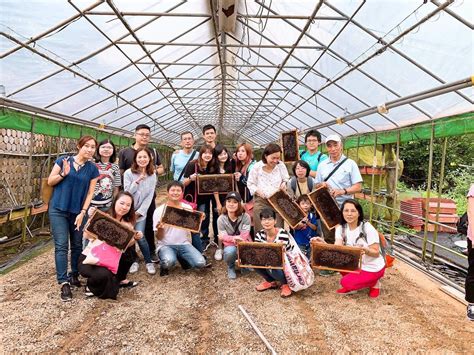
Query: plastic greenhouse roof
x=339, y=66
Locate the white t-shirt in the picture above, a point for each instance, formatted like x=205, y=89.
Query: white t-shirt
x=172, y=235
x=369, y=263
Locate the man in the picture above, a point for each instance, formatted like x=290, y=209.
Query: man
x=142, y=138
x=209, y=134
x=340, y=174
x=174, y=243
x=180, y=158
x=312, y=155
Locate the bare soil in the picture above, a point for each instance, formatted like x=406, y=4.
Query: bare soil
x=196, y=312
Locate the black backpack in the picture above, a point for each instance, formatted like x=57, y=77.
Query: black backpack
x=462, y=224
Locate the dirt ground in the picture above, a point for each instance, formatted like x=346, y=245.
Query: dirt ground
x=196, y=312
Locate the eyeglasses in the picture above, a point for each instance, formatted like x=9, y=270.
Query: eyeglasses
x=144, y=135
x=106, y=147
x=312, y=141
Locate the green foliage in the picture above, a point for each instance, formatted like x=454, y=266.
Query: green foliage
x=415, y=155
x=462, y=179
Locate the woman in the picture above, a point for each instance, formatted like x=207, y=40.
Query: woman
x=199, y=166
x=301, y=183
x=102, y=282
x=470, y=270
x=74, y=179
x=222, y=163
x=109, y=179
x=272, y=234
x=354, y=231
x=267, y=177
x=233, y=226
x=244, y=163
x=140, y=181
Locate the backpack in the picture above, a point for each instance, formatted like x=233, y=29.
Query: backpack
x=309, y=181
x=319, y=158
x=462, y=224
x=383, y=244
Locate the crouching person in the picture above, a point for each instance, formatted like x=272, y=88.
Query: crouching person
x=233, y=226
x=173, y=243
x=354, y=231
x=274, y=278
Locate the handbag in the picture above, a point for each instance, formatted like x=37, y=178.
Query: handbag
x=193, y=202
x=297, y=270
x=100, y=253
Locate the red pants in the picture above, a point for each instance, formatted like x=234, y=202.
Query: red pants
x=362, y=280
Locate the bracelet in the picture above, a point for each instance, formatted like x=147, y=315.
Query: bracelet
x=60, y=174
x=345, y=191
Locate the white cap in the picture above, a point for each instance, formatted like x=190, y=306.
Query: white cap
x=333, y=137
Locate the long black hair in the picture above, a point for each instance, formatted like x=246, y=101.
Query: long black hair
x=215, y=163
x=113, y=157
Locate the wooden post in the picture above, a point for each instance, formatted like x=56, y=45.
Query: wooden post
x=27, y=200
x=440, y=191
x=395, y=190
x=428, y=192
x=372, y=184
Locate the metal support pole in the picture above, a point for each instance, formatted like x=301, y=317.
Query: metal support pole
x=27, y=200
x=395, y=190
x=428, y=192
x=48, y=169
x=440, y=191
x=372, y=183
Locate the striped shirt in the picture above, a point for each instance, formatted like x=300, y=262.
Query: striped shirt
x=282, y=237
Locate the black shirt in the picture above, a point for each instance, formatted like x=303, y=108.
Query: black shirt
x=190, y=191
x=126, y=158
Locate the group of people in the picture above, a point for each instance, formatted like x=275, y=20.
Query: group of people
x=92, y=179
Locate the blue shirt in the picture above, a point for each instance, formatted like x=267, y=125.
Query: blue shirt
x=179, y=161
x=346, y=176
x=303, y=236
x=313, y=160
x=70, y=193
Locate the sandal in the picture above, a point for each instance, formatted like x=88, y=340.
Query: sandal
x=129, y=284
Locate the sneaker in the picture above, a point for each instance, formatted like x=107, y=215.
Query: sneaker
x=374, y=292
x=164, y=272
x=134, y=268
x=470, y=311
x=265, y=285
x=285, y=291
x=218, y=254
x=74, y=281
x=88, y=292
x=66, y=294
x=208, y=263
x=150, y=268
x=345, y=291
x=155, y=259
x=231, y=273
x=327, y=273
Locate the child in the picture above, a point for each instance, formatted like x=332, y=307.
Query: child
x=307, y=229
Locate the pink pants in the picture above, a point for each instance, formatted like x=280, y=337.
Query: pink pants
x=362, y=280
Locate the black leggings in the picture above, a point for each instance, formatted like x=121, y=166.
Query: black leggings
x=100, y=280
x=470, y=273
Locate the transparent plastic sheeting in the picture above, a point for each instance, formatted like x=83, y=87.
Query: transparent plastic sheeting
x=92, y=68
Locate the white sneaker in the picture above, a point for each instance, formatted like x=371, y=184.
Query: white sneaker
x=150, y=268
x=218, y=254
x=134, y=268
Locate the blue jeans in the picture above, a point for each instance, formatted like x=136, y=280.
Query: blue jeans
x=142, y=243
x=169, y=255
x=271, y=275
x=230, y=255
x=205, y=207
x=196, y=241
x=63, y=231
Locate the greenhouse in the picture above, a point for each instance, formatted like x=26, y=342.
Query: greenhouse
x=382, y=89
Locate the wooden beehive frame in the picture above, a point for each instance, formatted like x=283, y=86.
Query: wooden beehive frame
x=120, y=230
x=290, y=146
x=282, y=202
x=277, y=249
x=326, y=207
x=178, y=217
x=208, y=184
x=336, y=250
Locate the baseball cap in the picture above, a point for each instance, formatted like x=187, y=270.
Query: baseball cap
x=333, y=137
x=235, y=195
